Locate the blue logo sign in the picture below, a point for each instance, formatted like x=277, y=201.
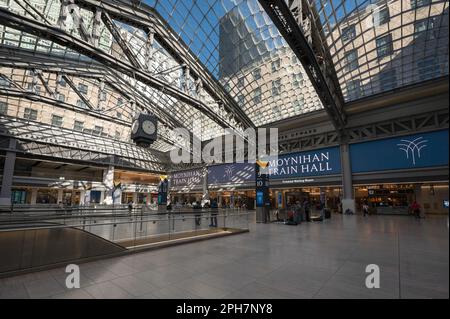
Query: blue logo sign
x=406, y=152
x=235, y=173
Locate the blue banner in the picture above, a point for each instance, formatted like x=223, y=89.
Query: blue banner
x=405, y=152
x=326, y=161
x=234, y=173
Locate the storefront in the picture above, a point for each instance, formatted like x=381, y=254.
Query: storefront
x=408, y=168
x=314, y=176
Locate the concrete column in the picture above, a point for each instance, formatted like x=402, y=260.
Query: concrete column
x=87, y=197
x=102, y=197
x=348, y=200
x=108, y=182
x=8, y=173
x=82, y=197
x=205, y=185
x=135, y=197
x=33, y=196
x=117, y=196
x=60, y=195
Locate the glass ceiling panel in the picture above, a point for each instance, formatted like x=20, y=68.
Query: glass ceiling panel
x=380, y=45
x=242, y=48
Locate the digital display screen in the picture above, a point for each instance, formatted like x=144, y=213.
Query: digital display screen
x=446, y=203
x=259, y=199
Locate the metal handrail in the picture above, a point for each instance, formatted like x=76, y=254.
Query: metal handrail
x=115, y=223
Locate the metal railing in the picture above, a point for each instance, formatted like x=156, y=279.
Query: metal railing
x=39, y=239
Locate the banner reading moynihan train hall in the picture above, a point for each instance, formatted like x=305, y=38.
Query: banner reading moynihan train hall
x=326, y=161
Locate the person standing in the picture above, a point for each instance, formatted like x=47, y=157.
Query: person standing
x=214, y=211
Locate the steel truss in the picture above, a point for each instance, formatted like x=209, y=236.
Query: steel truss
x=396, y=127
x=146, y=18
x=20, y=59
x=46, y=140
x=86, y=46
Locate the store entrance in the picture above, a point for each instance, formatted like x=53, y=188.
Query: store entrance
x=396, y=199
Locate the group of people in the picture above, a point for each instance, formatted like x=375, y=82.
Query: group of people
x=214, y=212
x=300, y=211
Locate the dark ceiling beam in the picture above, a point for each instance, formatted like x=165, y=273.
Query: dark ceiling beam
x=20, y=94
x=144, y=17
x=22, y=59
x=36, y=164
x=329, y=94
x=109, y=23
x=75, y=89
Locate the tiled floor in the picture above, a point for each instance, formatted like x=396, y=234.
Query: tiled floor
x=317, y=260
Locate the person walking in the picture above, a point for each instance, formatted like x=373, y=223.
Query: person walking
x=415, y=207
x=365, y=209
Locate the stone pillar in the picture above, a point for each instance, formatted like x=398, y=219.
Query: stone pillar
x=8, y=173
x=82, y=197
x=205, y=185
x=117, y=196
x=108, y=182
x=60, y=195
x=33, y=196
x=348, y=200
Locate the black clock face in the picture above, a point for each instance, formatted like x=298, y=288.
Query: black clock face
x=148, y=127
x=135, y=127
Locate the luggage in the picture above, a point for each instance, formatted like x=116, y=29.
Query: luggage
x=316, y=218
x=327, y=214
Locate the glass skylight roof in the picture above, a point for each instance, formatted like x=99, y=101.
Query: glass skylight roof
x=375, y=46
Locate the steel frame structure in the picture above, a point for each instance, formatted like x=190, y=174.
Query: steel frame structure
x=311, y=53
x=48, y=141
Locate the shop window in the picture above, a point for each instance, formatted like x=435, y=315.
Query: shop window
x=95, y=197
x=18, y=197
x=46, y=196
